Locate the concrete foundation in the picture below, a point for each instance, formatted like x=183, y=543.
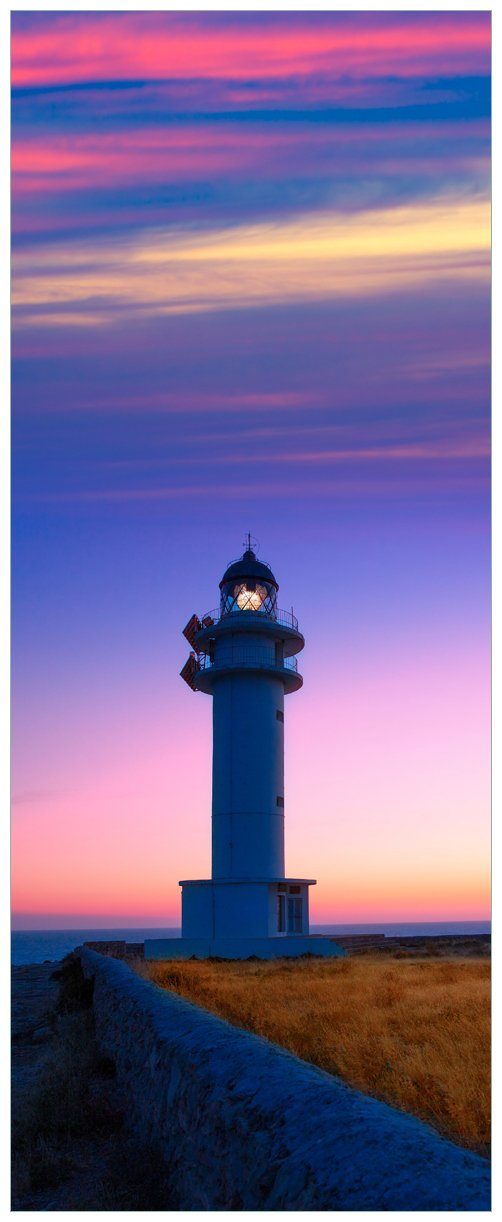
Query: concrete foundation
x=240, y=948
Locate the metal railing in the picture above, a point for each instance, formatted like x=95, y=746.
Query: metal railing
x=254, y=658
x=277, y=617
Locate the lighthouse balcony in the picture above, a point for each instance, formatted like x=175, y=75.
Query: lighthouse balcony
x=238, y=656
x=207, y=667
x=285, y=618
x=281, y=628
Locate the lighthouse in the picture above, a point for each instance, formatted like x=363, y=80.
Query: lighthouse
x=244, y=656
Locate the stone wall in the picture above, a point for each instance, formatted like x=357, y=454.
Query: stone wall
x=118, y=949
x=243, y=1124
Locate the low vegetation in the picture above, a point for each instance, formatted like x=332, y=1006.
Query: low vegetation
x=414, y=1033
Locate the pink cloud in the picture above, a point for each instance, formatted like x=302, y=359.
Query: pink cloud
x=63, y=163
x=131, y=46
x=72, y=162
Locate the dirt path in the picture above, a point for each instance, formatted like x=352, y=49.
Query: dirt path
x=71, y=1145
x=33, y=999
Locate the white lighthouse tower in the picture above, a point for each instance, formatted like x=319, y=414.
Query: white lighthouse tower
x=244, y=656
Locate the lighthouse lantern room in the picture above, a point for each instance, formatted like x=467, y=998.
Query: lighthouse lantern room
x=244, y=655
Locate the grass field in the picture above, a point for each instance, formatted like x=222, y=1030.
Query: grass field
x=414, y=1033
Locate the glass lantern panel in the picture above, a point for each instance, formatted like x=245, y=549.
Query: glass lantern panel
x=248, y=595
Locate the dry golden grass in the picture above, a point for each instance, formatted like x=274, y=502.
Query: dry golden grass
x=414, y=1033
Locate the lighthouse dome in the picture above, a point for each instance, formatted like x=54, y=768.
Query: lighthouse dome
x=248, y=585
x=249, y=566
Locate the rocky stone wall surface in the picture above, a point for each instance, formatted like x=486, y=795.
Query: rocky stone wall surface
x=243, y=1124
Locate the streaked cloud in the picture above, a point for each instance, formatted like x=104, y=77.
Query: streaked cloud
x=124, y=46
x=312, y=258
x=66, y=162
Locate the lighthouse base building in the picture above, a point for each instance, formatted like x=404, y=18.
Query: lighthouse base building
x=244, y=656
x=242, y=918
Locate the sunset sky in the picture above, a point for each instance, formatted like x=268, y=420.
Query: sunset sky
x=251, y=292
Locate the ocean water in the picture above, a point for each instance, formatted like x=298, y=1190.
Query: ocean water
x=39, y=945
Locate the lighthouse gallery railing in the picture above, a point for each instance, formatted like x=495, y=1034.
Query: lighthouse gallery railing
x=254, y=658
x=279, y=617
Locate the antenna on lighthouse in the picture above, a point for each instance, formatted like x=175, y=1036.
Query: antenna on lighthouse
x=250, y=544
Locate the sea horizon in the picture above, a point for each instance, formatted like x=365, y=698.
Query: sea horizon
x=51, y=945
